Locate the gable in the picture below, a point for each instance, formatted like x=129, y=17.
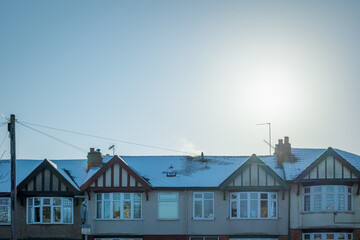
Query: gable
x=116, y=175
x=329, y=166
x=254, y=174
x=46, y=179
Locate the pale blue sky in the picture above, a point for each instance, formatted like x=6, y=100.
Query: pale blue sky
x=187, y=75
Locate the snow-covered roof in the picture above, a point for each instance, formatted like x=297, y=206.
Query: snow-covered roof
x=303, y=157
x=77, y=169
x=190, y=171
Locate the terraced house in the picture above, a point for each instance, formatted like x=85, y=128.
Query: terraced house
x=299, y=194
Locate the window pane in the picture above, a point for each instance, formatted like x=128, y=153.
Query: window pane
x=116, y=196
x=67, y=210
x=168, y=196
x=37, y=214
x=317, y=189
x=243, y=195
x=254, y=209
x=329, y=202
x=98, y=207
x=30, y=215
x=349, y=202
x=341, y=202
x=264, y=209
x=264, y=196
x=198, y=209
x=341, y=236
x=329, y=188
x=137, y=209
x=98, y=196
x=317, y=202
x=273, y=209
x=37, y=201
x=233, y=196
x=317, y=236
x=307, y=236
x=5, y=214
x=106, y=196
x=168, y=210
x=46, y=201
x=307, y=203
x=106, y=209
x=116, y=209
x=127, y=196
x=254, y=195
x=307, y=190
x=329, y=236
x=341, y=189
x=57, y=201
x=4, y=201
x=243, y=208
x=233, y=209
x=198, y=195
x=46, y=214
x=137, y=196
x=208, y=195
x=57, y=214
x=208, y=209
x=127, y=209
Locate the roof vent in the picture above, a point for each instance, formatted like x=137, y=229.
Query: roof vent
x=171, y=173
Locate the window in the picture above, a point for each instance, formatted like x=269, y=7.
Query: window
x=203, y=205
x=5, y=211
x=49, y=210
x=329, y=198
x=327, y=236
x=168, y=206
x=126, y=206
x=261, y=205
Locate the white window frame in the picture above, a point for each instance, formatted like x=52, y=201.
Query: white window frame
x=323, y=235
x=176, y=200
x=122, y=200
x=41, y=206
x=9, y=211
x=348, y=193
x=248, y=199
x=202, y=199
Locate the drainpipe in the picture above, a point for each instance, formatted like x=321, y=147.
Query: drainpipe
x=289, y=215
x=86, y=210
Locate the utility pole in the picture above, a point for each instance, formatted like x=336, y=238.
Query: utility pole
x=11, y=129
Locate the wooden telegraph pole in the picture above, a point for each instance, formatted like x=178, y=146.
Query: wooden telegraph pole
x=11, y=129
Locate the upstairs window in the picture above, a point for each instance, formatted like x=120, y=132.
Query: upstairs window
x=256, y=205
x=168, y=206
x=327, y=198
x=49, y=210
x=203, y=205
x=125, y=206
x=5, y=211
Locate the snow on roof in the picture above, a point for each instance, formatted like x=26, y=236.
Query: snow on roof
x=304, y=157
x=77, y=169
x=190, y=171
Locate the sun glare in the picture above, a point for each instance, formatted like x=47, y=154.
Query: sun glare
x=272, y=91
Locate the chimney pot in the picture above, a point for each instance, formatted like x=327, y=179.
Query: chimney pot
x=92, y=149
x=280, y=141
x=286, y=139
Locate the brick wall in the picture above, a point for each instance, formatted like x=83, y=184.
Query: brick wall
x=296, y=234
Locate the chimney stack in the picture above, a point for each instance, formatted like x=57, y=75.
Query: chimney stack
x=283, y=151
x=95, y=159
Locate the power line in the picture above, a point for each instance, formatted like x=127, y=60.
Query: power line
x=2, y=142
x=55, y=138
x=3, y=123
x=4, y=116
x=110, y=139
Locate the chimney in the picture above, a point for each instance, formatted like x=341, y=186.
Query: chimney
x=94, y=158
x=283, y=151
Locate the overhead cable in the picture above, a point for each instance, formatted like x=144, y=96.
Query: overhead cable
x=110, y=139
x=55, y=138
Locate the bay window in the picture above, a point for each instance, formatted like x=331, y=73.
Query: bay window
x=327, y=198
x=125, y=206
x=49, y=210
x=258, y=205
x=5, y=211
x=203, y=205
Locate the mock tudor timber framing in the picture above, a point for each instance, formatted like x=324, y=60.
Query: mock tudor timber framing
x=92, y=184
